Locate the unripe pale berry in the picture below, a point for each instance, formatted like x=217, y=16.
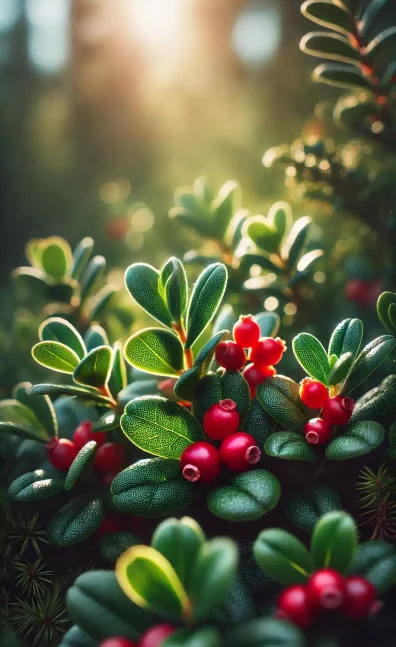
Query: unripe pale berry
x=360, y=597
x=293, y=605
x=239, y=451
x=326, y=589
x=221, y=420
x=200, y=462
x=109, y=458
x=246, y=331
x=268, y=351
x=117, y=641
x=338, y=410
x=83, y=434
x=313, y=393
x=255, y=375
x=317, y=431
x=155, y=636
x=230, y=355
x=61, y=453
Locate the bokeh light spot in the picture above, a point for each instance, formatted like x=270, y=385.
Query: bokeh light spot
x=271, y=303
x=257, y=33
x=290, y=309
x=110, y=192
x=142, y=219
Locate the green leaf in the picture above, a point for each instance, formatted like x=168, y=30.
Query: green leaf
x=383, y=43
x=205, y=299
x=305, y=510
x=266, y=632
x=101, y=301
x=282, y=557
x=341, y=76
x=279, y=396
x=358, y=438
x=312, y=356
x=149, y=580
x=289, y=445
x=295, y=241
x=94, y=337
x=263, y=233
x=185, y=385
x=60, y=330
x=174, y=282
x=375, y=560
x=334, y=541
x=77, y=638
x=56, y=257
x=35, y=486
x=346, y=338
x=225, y=320
x=18, y=419
x=179, y=541
x=340, y=369
x=247, y=260
x=81, y=255
x=335, y=47
x=108, y=422
x=136, y=390
x=55, y=356
x=142, y=284
x=207, y=392
x=385, y=301
x=81, y=464
x=153, y=487
x=248, y=496
x=58, y=390
x=211, y=577
x=328, y=14
x=118, y=377
x=258, y=423
x=94, y=370
x=97, y=605
x=240, y=605
x=113, y=544
x=155, y=350
x=234, y=387
x=91, y=276
x=370, y=358
x=41, y=407
x=269, y=323
x=305, y=263
x=33, y=251
x=225, y=205
x=160, y=427
x=202, y=637
x=76, y=521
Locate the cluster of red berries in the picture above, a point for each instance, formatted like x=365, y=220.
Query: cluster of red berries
x=265, y=352
x=327, y=590
x=153, y=637
x=238, y=451
x=109, y=458
x=335, y=411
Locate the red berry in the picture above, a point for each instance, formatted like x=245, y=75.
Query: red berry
x=358, y=291
x=255, y=375
x=338, y=410
x=117, y=641
x=83, y=434
x=317, y=431
x=155, y=636
x=230, y=356
x=110, y=523
x=313, y=394
x=200, y=462
x=108, y=478
x=326, y=589
x=109, y=458
x=268, y=351
x=293, y=605
x=61, y=453
x=239, y=451
x=246, y=331
x=221, y=420
x=360, y=596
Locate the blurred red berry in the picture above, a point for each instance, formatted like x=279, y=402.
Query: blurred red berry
x=155, y=636
x=360, y=597
x=61, y=453
x=111, y=523
x=83, y=434
x=255, y=375
x=110, y=458
x=293, y=605
x=117, y=641
x=326, y=589
x=117, y=228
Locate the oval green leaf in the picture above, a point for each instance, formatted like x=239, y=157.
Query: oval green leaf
x=376, y=561
x=334, y=541
x=266, y=632
x=312, y=356
x=282, y=557
x=205, y=300
x=155, y=350
x=60, y=330
x=305, y=510
x=179, y=541
x=346, y=338
x=35, y=486
x=280, y=398
x=371, y=357
x=41, y=406
x=56, y=356
x=248, y=496
x=142, y=284
x=290, y=446
x=76, y=521
x=328, y=14
x=113, y=544
x=81, y=464
x=340, y=369
x=94, y=370
x=358, y=439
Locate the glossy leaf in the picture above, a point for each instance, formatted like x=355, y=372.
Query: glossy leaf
x=248, y=496
x=258, y=423
x=305, y=510
x=55, y=356
x=385, y=301
x=207, y=392
x=290, y=446
x=283, y=557
x=101, y=301
x=210, y=580
x=155, y=350
x=94, y=370
x=312, y=356
x=94, y=337
x=41, y=407
x=91, y=276
x=142, y=284
x=376, y=561
x=81, y=255
x=118, y=377
x=58, y=390
x=153, y=487
x=334, y=541
x=35, y=486
x=328, y=14
x=76, y=521
x=160, y=427
x=60, y=330
x=19, y=420
x=174, y=281
x=113, y=544
x=358, y=439
x=336, y=47
x=341, y=76
x=340, y=369
x=266, y=632
x=225, y=320
x=279, y=397
x=234, y=387
x=370, y=358
x=346, y=338
x=81, y=464
x=205, y=299
x=179, y=541
x=149, y=580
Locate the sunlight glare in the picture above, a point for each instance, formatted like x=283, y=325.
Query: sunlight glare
x=158, y=24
